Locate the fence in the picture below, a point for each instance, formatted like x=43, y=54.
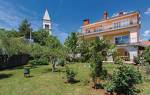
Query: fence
x=13, y=61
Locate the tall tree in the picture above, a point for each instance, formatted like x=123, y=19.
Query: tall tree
x=98, y=53
x=40, y=36
x=43, y=38
x=71, y=44
x=25, y=28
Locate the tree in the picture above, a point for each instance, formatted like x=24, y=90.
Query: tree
x=71, y=45
x=98, y=49
x=84, y=49
x=43, y=38
x=40, y=36
x=14, y=46
x=124, y=80
x=13, y=33
x=3, y=36
x=25, y=28
x=147, y=54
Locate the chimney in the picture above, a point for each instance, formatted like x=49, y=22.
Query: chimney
x=121, y=13
x=105, y=15
x=86, y=22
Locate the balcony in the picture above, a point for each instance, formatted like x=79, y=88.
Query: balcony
x=109, y=28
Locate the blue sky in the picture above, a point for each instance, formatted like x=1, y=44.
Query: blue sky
x=67, y=15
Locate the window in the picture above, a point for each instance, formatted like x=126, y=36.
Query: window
x=46, y=26
x=122, y=40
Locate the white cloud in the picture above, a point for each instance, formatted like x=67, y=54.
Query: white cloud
x=147, y=33
x=147, y=12
x=11, y=15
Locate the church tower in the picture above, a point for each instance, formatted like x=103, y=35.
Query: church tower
x=47, y=22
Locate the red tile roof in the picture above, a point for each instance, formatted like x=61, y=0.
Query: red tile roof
x=146, y=43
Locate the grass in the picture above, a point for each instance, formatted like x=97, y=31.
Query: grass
x=44, y=82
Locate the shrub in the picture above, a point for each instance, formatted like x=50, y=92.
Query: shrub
x=147, y=54
x=104, y=74
x=40, y=61
x=118, y=60
x=124, y=80
x=137, y=60
x=109, y=87
x=147, y=69
x=70, y=75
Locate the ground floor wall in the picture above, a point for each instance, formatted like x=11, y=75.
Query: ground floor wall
x=127, y=52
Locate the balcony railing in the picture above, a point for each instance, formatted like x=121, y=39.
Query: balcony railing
x=108, y=28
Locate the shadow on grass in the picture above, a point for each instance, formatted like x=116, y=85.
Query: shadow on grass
x=46, y=71
x=3, y=76
x=28, y=76
x=72, y=82
x=56, y=71
x=75, y=81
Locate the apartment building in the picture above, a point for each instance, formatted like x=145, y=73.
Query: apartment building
x=122, y=29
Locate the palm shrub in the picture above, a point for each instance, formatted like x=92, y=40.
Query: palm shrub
x=124, y=80
x=70, y=75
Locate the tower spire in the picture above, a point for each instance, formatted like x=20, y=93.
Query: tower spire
x=47, y=22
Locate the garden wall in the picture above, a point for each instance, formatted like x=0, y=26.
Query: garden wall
x=13, y=61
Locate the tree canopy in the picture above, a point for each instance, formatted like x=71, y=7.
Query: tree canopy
x=25, y=28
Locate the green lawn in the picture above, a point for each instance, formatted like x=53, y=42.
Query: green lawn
x=44, y=82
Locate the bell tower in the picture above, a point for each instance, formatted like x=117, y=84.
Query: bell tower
x=47, y=22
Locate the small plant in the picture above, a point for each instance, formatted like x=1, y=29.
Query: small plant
x=137, y=60
x=118, y=60
x=70, y=75
x=109, y=87
x=104, y=74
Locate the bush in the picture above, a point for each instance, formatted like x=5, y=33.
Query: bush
x=70, y=75
x=109, y=87
x=118, y=60
x=104, y=74
x=40, y=61
x=147, y=54
x=137, y=60
x=147, y=69
x=61, y=62
x=124, y=80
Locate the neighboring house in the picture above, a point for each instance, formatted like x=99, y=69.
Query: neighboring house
x=122, y=30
